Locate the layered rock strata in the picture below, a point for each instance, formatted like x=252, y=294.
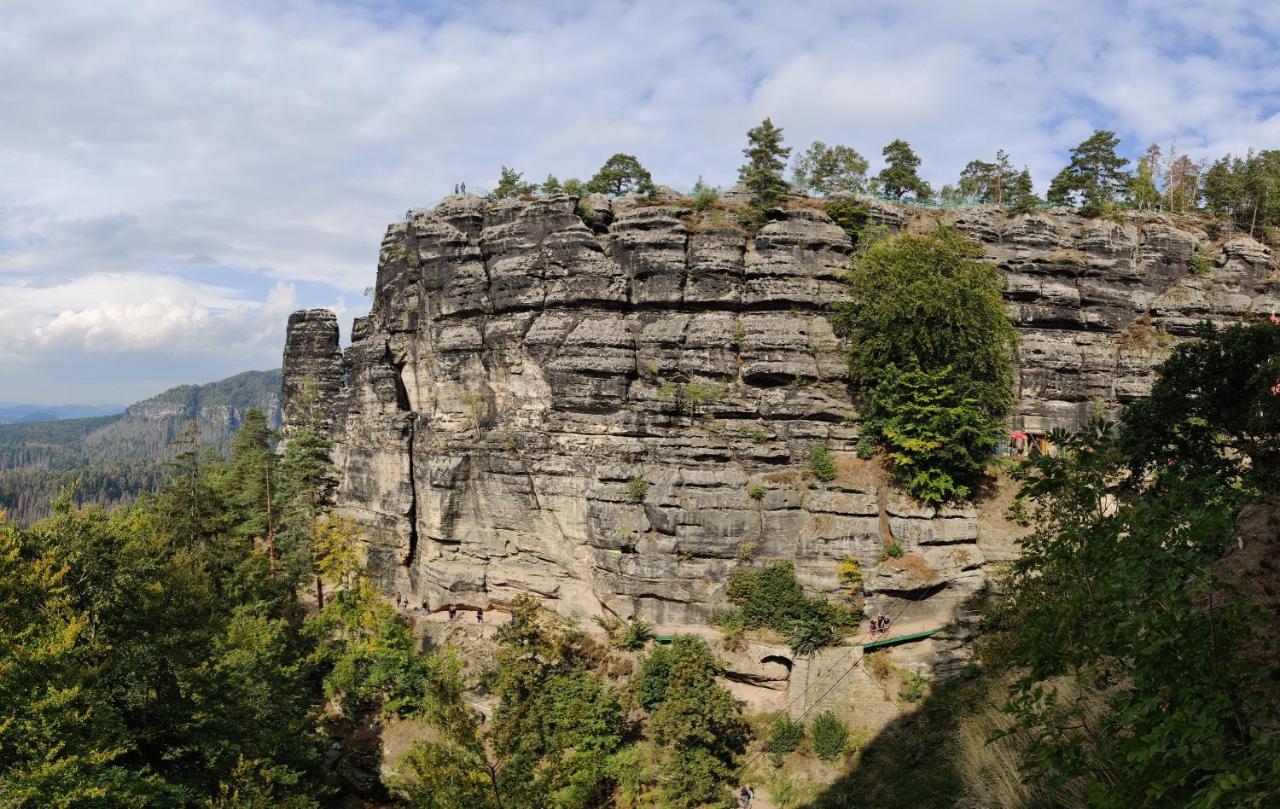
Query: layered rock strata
x=611, y=405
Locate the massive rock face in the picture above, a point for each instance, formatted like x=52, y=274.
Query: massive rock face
x=614, y=412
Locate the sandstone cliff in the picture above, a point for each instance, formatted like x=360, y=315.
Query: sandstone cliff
x=611, y=405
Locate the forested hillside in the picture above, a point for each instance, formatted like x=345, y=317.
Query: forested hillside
x=111, y=459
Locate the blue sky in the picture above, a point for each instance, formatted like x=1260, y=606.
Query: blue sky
x=175, y=177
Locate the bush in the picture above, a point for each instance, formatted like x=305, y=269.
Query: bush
x=852, y=216
x=704, y=196
x=810, y=632
x=851, y=573
x=830, y=736
x=755, y=491
x=892, y=551
x=655, y=674
x=1201, y=265
x=937, y=441
x=931, y=357
x=771, y=597
x=913, y=686
x=785, y=736
x=637, y=488
x=630, y=634
x=821, y=462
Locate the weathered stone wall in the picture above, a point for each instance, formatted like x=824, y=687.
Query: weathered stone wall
x=522, y=364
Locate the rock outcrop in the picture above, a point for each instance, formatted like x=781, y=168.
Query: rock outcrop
x=611, y=405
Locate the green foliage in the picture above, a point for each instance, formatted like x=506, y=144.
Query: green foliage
x=112, y=460
x=913, y=687
x=691, y=396
x=557, y=723
x=892, y=550
x=1245, y=190
x=631, y=634
x=697, y=724
x=756, y=491
x=821, y=462
x=830, y=736
x=1178, y=702
x=1142, y=186
x=511, y=184
x=621, y=174
x=704, y=196
x=1095, y=178
x=785, y=735
x=1022, y=197
x=771, y=597
x=1144, y=677
x=575, y=187
x=550, y=186
x=900, y=177
x=655, y=675
x=170, y=664
x=827, y=170
x=852, y=216
x=932, y=358
x=988, y=182
x=1201, y=264
x=637, y=488
x=761, y=175
x=937, y=442
x=1212, y=412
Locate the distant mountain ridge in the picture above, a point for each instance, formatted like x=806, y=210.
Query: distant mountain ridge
x=114, y=458
x=15, y=413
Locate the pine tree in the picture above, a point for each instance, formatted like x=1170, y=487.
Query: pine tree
x=307, y=479
x=189, y=506
x=550, y=186
x=899, y=177
x=1223, y=187
x=511, y=184
x=1022, y=197
x=766, y=159
x=621, y=174
x=988, y=182
x=1142, y=188
x=1095, y=176
x=250, y=486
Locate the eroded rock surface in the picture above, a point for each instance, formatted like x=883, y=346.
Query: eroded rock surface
x=612, y=413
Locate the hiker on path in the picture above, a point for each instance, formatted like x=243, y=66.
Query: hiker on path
x=745, y=796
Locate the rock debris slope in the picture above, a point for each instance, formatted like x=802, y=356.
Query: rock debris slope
x=611, y=405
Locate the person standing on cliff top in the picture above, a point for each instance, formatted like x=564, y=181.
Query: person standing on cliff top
x=464, y=186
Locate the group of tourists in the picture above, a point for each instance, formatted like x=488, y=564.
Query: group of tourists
x=879, y=625
x=459, y=188
x=453, y=614
x=402, y=603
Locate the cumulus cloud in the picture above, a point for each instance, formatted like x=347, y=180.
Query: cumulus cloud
x=163, y=165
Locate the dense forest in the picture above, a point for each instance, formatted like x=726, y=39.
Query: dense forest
x=111, y=460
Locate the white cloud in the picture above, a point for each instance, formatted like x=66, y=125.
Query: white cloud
x=171, y=141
